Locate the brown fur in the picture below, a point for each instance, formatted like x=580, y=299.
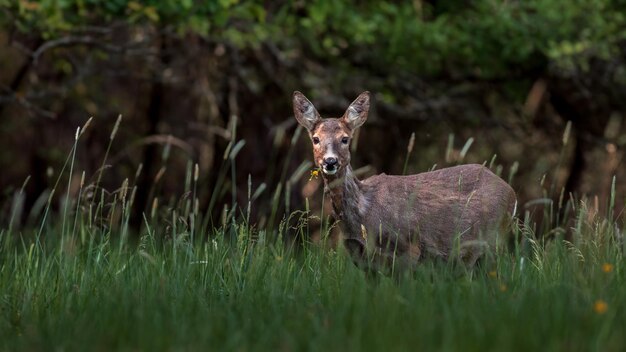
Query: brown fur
x=452, y=212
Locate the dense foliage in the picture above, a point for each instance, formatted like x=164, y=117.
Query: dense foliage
x=483, y=38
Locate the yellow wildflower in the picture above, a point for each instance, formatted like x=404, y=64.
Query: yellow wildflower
x=607, y=267
x=314, y=174
x=503, y=288
x=493, y=274
x=600, y=306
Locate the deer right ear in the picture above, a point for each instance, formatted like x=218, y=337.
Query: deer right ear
x=304, y=111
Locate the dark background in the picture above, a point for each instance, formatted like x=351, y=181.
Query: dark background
x=193, y=79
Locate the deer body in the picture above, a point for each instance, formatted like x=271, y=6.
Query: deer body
x=399, y=220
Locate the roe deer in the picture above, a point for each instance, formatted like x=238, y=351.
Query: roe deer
x=455, y=212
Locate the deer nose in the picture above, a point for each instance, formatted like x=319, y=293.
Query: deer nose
x=330, y=161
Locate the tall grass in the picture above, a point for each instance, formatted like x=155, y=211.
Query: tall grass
x=76, y=283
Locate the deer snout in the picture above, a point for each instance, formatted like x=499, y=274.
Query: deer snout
x=330, y=165
x=330, y=162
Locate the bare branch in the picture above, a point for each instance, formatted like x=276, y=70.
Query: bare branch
x=70, y=41
x=73, y=40
x=27, y=104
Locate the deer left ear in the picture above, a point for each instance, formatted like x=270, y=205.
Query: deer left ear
x=357, y=112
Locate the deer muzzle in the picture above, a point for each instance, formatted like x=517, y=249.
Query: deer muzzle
x=330, y=165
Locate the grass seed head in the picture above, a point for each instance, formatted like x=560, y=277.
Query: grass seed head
x=116, y=127
x=409, y=148
x=138, y=172
x=82, y=130
x=124, y=189
x=155, y=205
x=566, y=133
x=82, y=179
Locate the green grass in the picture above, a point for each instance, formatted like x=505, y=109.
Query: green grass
x=76, y=281
x=230, y=293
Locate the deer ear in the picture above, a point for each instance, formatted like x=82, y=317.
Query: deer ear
x=304, y=111
x=357, y=112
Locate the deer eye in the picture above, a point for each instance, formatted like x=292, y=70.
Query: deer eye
x=316, y=140
x=345, y=140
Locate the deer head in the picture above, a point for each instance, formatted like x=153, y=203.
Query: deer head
x=331, y=136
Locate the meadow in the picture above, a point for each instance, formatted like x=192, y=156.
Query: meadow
x=81, y=280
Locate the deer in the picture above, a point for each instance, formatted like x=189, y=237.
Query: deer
x=458, y=212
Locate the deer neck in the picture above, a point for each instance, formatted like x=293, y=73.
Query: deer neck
x=347, y=197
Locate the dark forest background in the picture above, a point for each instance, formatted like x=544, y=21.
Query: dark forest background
x=541, y=84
